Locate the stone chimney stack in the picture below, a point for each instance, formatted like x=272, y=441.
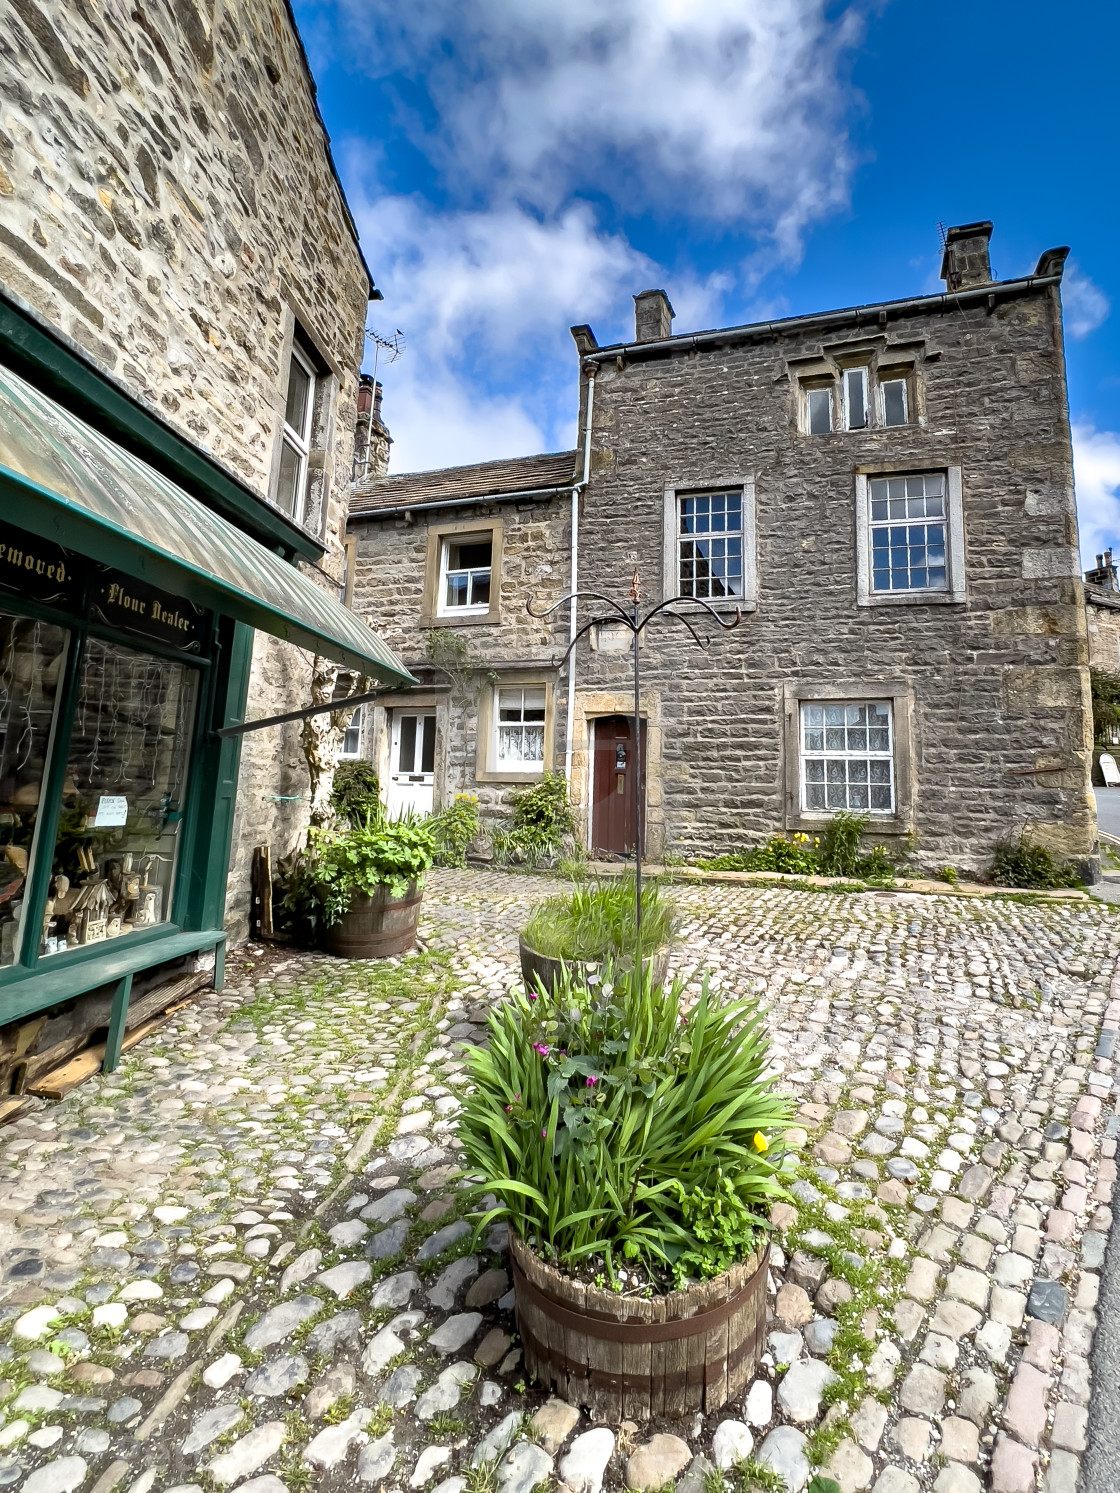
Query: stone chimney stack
x=965, y=261
x=653, y=316
x=371, y=436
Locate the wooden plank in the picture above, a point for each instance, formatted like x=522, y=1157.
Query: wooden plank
x=58, y=1084
x=657, y=1359
x=676, y=1358
x=636, y=1361
x=11, y=1109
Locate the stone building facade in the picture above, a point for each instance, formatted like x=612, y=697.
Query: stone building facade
x=885, y=494
x=1102, y=614
x=169, y=206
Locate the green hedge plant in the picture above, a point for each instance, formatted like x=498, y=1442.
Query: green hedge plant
x=542, y=820
x=612, y=1123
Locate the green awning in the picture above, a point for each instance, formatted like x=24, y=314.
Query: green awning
x=63, y=481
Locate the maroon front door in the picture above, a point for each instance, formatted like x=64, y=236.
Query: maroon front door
x=612, y=817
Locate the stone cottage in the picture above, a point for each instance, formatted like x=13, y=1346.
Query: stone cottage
x=182, y=310
x=884, y=493
x=1102, y=614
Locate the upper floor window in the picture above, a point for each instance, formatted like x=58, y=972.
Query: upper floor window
x=467, y=562
x=865, y=398
x=818, y=410
x=710, y=545
x=908, y=533
x=299, y=409
x=894, y=402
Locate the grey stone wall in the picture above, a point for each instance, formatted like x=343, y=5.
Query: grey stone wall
x=167, y=201
x=1102, y=614
x=998, y=682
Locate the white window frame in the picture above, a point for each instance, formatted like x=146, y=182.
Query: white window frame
x=356, y=722
x=299, y=441
x=859, y=374
x=471, y=609
x=955, y=590
x=518, y=764
x=732, y=597
x=671, y=537
x=844, y=754
x=807, y=390
x=881, y=411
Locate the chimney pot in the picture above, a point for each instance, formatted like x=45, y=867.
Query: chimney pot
x=653, y=316
x=965, y=261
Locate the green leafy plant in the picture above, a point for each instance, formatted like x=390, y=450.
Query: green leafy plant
x=356, y=794
x=822, y=1484
x=594, y=922
x=597, y=1109
x=949, y=874
x=1024, y=863
x=389, y=853
x=453, y=829
x=1104, y=687
x=836, y=851
x=542, y=820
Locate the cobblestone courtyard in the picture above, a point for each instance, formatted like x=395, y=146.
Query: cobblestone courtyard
x=241, y=1261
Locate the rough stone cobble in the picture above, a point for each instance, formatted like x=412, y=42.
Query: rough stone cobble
x=183, y=1289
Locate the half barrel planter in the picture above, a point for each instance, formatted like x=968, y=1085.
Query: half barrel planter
x=376, y=927
x=544, y=967
x=624, y=1358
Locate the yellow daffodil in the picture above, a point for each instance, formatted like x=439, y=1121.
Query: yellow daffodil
x=760, y=1141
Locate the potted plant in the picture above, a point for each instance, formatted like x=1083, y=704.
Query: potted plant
x=369, y=881
x=630, y=1144
x=595, y=923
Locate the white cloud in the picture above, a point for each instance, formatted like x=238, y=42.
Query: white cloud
x=530, y=113
x=1084, y=305
x=1096, y=463
x=734, y=109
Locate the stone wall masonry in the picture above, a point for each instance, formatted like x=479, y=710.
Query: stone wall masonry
x=998, y=682
x=167, y=201
x=1103, y=620
x=389, y=584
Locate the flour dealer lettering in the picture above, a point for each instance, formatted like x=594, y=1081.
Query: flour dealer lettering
x=136, y=607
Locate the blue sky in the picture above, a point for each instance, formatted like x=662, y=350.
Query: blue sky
x=516, y=167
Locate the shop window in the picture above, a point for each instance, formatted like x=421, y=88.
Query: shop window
x=120, y=826
x=847, y=757
x=295, y=445
x=519, y=726
x=32, y=661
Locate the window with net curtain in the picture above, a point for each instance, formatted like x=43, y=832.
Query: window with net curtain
x=520, y=726
x=847, y=757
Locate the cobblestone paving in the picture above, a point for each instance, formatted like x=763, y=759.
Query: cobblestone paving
x=241, y=1261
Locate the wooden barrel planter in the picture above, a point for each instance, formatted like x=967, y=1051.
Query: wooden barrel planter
x=376, y=927
x=544, y=967
x=628, y=1359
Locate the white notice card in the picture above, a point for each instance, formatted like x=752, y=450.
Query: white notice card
x=111, y=812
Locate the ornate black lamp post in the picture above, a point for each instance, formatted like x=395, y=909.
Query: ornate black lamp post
x=628, y=617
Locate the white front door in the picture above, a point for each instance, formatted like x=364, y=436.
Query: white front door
x=412, y=763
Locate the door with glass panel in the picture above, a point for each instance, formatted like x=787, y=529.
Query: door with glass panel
x=412, y=762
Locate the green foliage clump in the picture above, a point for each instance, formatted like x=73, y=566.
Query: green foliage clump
x=543, y=819
x=1104, y=687
x=599, y=1107
x=380, y=852
x=1023, y=863
x=453, y=829
x=356, y=792
x=836, y=851
x=596, y=922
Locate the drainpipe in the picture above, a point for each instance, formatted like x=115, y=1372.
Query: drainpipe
x=579, y=488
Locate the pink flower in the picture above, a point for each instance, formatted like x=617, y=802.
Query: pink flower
x=544, y=1134
x=592, y=1081
x=509, y=1108
x=542, y=1048
x=532, y=997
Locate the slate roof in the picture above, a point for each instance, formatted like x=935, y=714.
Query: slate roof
x=451, y=484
